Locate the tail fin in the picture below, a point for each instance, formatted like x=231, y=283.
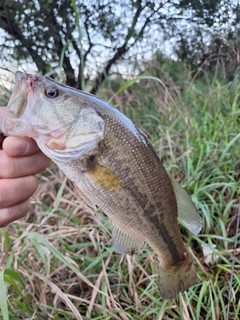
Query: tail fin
x=176, y=279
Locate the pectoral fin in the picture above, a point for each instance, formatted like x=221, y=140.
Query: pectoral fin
x=188, y=214
x=85, y=198
x=124, y=242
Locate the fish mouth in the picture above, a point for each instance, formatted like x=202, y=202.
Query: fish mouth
x=16, y=120
x=27, y=79
x=19, y=97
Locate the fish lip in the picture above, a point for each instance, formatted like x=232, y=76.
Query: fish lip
x=18, y=101
x=27, y=80
x=14, y=122
x=19, y=76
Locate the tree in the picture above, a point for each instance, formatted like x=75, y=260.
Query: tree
x=89, y=38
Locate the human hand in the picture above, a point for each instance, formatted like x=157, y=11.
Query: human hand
x=20, y=160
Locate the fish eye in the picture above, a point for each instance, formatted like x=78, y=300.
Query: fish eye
x=52, y=92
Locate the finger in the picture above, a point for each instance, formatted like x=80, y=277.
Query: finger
x=13, y=191
x=14, y=212
x=12, y=167
x=20, y=146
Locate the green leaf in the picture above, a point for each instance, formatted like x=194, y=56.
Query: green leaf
x=3, y=297
x=133, y=81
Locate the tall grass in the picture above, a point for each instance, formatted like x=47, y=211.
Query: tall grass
x=59, y=262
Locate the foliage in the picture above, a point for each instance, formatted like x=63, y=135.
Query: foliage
x=91, y=38
x=59, y=262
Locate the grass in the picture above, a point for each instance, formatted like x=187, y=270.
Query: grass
x=59, y=262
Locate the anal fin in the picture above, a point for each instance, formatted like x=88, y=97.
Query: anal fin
x=124, y=242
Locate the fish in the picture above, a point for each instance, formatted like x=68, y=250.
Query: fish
x=114, y=167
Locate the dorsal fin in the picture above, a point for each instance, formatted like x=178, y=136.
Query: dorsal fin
x=188, y=214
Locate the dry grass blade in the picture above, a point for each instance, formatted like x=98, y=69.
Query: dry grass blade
x=37, y=237
x=94, y=294
x=61, y=294
x=108, y=288
x=233, y=262
x=185, y=310
x=3, y=298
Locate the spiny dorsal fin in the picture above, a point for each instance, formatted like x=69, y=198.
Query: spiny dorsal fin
x=124, y=242
x=188, y=214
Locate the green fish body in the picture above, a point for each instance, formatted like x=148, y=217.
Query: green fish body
x=113, y=166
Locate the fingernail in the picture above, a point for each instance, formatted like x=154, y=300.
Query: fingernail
x=15, y=146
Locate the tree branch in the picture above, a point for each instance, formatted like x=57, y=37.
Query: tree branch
x=124, y=48
x=120, y=50
x=68, y=69
x=8, y=24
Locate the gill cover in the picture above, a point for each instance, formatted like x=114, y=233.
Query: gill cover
x=80, y=139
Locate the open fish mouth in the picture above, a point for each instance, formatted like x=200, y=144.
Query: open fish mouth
x=20, y=103
x=62, y=134
x=16, y=120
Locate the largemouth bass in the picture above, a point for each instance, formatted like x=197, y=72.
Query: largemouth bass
x=114, y=167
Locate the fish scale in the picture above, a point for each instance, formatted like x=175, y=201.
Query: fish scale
x=113, y=166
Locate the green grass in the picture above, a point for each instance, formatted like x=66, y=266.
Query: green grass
x=59, y=263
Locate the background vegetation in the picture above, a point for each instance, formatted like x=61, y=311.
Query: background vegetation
x=59, y=262
x=85, y=41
